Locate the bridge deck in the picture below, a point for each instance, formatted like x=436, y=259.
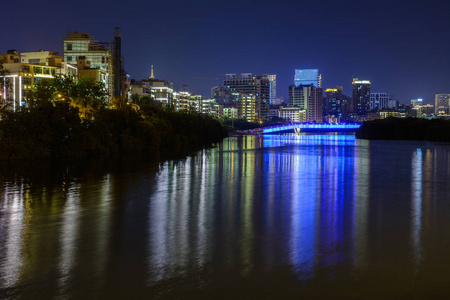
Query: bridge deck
x=308, y=126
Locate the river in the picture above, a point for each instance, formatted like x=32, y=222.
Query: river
x=256, y=217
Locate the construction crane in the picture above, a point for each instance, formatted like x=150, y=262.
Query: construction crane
x=212, y=80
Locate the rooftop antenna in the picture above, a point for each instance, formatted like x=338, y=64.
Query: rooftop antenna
x=151, y=74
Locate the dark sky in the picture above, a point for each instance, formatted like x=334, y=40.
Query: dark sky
x=403, y=47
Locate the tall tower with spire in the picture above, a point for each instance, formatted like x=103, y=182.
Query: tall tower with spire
x=151, y=74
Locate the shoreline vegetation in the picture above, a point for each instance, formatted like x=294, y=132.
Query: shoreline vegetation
x=65, y=119
x=436, y=130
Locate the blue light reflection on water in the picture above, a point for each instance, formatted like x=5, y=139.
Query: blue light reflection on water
x=316, y=207
x=299, y=191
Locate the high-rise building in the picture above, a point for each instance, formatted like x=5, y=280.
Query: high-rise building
x=117, y=62
x=230, y=112
x=416, y=102
x=307, y=77
x=97, y=54
x=256, y=86
x=442, y=104
x=379, y=100
x=222, y=95
x=308, y=98
x=336, y=103
x=361, y=96
x=273, y=88
x=427, y=109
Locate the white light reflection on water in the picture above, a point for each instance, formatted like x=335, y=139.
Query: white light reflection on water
x=159, y=245
x=69, y=235
x=361, y=205
x=11, y=235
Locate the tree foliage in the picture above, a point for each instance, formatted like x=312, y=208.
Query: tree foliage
x=406, y=129
x=85, y=93
x=70, y=119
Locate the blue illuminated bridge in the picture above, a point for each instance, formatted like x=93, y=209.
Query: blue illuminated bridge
x=306, y=127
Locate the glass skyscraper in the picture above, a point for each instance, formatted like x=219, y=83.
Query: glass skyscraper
x=307, y=77
x=361, y=96
x=442, y=104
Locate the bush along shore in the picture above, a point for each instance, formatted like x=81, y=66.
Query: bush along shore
x=405, y=129
x=67, y=119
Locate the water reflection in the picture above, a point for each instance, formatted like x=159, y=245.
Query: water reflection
x=11, y=234
x=308, y=193
x=320, y=208
x=416, y=182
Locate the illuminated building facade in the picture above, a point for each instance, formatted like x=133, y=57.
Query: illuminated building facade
x=379, y=100
x=162, y=90
x=308, y=77
x=140, y=88
x=208, y=106
x=427, y=110
x=361, y=96
x=247, y=107
x=11, y=56
x=292, y=114
x=158, y=89
x=98, y=55
x=308, y=98
x=85, y=70
x=256, y=86
x=273, y=88
x=336, y=103
x=27, y=69
x=184, y=100
x=223, y=96
x=230, y=112
x=416, y=102
x=395, y=114
x=442, y=104
x=416, y=112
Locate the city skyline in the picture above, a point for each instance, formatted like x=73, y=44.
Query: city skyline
x=400, y=48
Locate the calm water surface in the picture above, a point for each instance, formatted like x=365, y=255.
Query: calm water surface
x=272, y=217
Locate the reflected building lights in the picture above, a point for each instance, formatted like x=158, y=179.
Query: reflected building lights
x=303, y=183
x=361, y=205
x=416, y=214
x=247, y=190
x=11, y=237
x=202, y=236
x=68, y=236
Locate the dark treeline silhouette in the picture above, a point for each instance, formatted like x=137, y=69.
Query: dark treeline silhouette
x=56, y=125
x=406, y=129
x=239, y=124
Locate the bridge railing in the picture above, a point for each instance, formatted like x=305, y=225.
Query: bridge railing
x=270, y=129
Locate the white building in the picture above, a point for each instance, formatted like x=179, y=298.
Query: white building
x=293, y=114
x=98, y=55
x=30, y=68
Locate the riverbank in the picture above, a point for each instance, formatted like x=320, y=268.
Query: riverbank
x=437, y=130
x=55, y=130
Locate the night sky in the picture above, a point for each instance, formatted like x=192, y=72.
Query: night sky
x=403, y=47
